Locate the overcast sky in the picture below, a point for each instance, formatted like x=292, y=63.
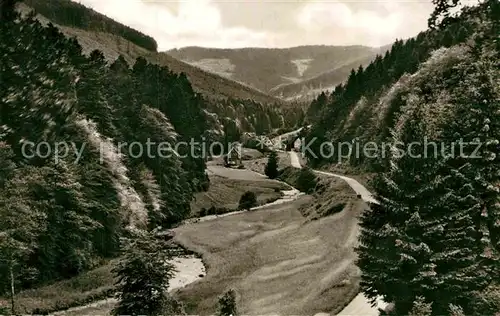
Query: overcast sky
x=266, y=23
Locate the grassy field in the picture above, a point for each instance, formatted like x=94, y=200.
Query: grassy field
x=224, y=192
x=275, y=260
x=258, y=165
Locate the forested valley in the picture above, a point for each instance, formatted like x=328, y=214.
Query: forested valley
x=429, y=240
x=60, y=218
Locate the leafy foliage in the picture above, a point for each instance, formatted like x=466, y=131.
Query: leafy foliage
x=248, y=200
x=306, y=181
x=60, y=216
x=227, y=304
x=143, y=276
x=69, y=13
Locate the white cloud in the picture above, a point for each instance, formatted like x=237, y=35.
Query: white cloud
x=178, y=23
x=196, y=23
x=366, y=27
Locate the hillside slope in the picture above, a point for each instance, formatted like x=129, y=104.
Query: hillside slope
x=114, y=44
x=309, y=89
x=366, y=107
x=66, y=207
x=230, y=107
x=267, y=68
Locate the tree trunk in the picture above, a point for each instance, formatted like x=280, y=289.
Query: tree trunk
x=12, y=289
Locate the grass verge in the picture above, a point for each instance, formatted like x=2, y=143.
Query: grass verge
x=88, y=287
x=225, y=193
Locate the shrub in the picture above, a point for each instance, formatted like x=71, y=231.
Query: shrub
x=248, y=200
x=203, y=212
x=334, y=209
x=227, y=304
x=306, y=181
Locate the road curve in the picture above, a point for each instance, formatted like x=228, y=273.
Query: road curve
x=360, y=305
x=355, y=185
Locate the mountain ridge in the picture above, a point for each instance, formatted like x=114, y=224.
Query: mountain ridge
x=112, y=46
x=268, y=68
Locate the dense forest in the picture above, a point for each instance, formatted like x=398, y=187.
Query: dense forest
x=60, y=216
x=431, y=245
x=73, y=14
x=366, y=106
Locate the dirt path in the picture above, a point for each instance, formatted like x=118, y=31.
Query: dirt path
x=188, y=269
x=360, y=305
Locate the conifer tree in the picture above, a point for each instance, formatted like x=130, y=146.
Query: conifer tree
x=271, y=169
x=431, y=234
x=143, y=277
x=66, y=248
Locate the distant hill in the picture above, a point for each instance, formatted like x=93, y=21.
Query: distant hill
x=72, y=14
x=267, y=68
x=96, y=31
x=310, y=88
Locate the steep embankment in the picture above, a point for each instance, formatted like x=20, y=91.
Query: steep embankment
x=360, y=305
x=366, y=107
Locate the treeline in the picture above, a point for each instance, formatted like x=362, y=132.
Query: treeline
x=247, y=116
x=73, y=14
x=60, y=215
x=365, y=106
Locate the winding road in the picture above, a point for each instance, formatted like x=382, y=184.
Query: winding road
x=188, y=269
x=360, y=305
